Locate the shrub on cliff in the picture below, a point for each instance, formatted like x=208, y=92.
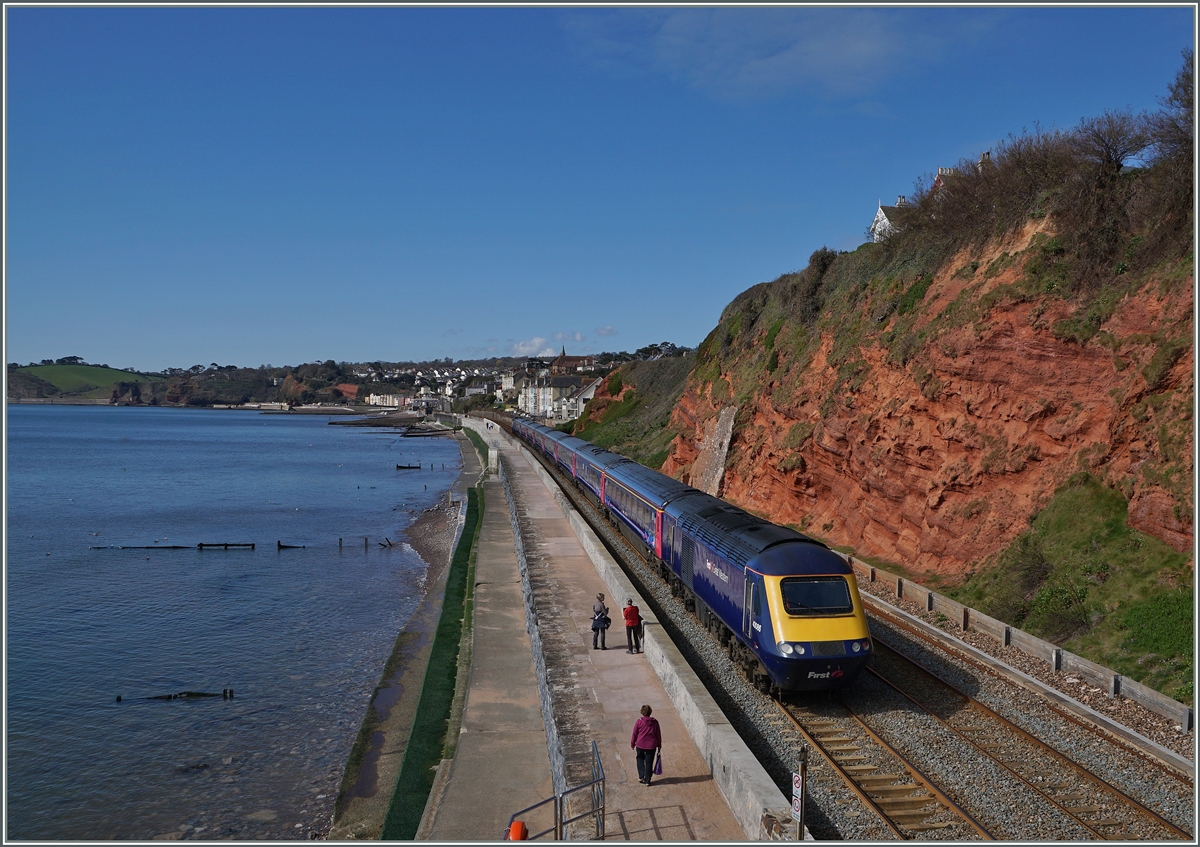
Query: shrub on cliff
x=1081, y=180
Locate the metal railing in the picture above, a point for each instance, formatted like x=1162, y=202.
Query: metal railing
x=596, y=794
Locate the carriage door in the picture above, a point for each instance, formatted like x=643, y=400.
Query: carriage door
x=748, y=605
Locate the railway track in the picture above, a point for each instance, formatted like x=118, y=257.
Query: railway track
x=908, y=802
x=1102, y=809
x=913, y=756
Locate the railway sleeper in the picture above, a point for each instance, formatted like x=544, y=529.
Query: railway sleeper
x=905, y=806
x=881, y=778
x=893, y=791
x=903, y=818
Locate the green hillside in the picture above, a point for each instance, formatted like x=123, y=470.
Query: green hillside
x=82, y=380
x=637, y=425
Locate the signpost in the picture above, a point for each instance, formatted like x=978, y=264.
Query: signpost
x=800, y=792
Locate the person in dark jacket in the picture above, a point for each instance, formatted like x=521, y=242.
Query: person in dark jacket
x=633, y=623
x=647, y=741
x=600, y=622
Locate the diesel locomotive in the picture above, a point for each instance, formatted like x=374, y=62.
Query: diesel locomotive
x=785, y=605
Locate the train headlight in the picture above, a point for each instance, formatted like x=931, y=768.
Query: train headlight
x=785, y=648
x=800, y=649
x=856, y=647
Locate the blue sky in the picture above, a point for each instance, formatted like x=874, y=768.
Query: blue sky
x=279, y=185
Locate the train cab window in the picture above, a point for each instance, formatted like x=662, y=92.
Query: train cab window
x=758, y=601
x=816, y=595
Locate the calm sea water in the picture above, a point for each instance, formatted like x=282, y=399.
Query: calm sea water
x=300, y=635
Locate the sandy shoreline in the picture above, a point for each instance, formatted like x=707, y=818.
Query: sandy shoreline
x=374, y=765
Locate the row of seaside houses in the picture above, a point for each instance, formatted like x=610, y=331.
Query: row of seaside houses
x=549, y=390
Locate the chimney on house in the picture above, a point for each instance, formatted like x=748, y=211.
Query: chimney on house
x=985, y=158
x=900, y=201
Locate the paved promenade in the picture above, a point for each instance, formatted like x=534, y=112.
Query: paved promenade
x=501, y=764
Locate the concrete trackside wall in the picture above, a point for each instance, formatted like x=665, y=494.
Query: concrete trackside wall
x=554, y=747
x=1059, y=660
x=759, y=806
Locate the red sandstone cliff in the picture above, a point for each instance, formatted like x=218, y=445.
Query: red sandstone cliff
x=940, y=465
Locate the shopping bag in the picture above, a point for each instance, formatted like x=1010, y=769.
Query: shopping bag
x=658, y=764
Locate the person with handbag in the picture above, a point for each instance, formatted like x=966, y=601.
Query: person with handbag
x=647, y=741
x=600, y=622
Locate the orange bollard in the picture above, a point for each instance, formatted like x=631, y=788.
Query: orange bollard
x=517, y=831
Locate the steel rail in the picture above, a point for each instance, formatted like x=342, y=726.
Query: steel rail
x=919, y=776
x=1148, y=757
x=846, y=777
x=1063, y=760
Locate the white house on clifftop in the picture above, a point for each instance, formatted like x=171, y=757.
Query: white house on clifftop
x=885, y=220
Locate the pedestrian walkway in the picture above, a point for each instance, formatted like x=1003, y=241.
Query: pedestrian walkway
x=502, y=764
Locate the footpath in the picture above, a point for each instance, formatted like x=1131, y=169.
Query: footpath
x=533, y=655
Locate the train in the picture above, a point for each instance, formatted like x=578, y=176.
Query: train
x=785, y=605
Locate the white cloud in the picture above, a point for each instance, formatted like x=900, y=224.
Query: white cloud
x=605, y=331
x=535, y=346
x=753, y=53
x=568, y=336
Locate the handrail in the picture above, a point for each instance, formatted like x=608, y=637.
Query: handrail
x=597, y=810
x=556, y=828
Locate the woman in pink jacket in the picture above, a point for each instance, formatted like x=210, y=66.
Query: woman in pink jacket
x=647, y=740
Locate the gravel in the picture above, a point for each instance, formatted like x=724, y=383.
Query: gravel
x=1051, y=775
x=1124, y=711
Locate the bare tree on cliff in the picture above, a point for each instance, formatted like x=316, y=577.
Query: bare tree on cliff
x=1165, y=209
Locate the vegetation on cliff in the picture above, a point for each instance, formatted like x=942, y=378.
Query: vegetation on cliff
x=631, y=411
x=932, y=400
x=1080, y=576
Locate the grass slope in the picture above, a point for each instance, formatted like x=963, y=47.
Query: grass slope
x=1082, y=578
x=428, y=736
x=77, y=379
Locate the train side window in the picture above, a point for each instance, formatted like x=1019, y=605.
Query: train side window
x=758, y=601
x=806, y=596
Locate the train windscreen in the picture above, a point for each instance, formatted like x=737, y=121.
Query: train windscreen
x=816, y=595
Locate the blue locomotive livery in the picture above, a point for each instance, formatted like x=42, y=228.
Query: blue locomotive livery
x=786, y=606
